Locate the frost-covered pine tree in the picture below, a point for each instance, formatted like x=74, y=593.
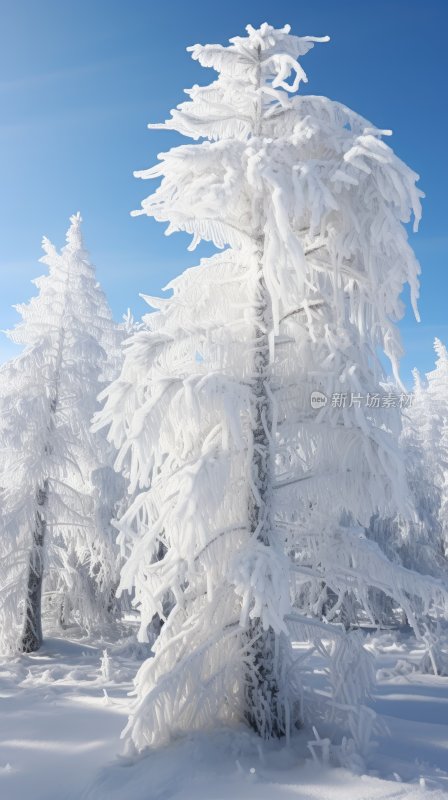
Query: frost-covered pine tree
x=244, y=493
x=438, y=417
x=425, y=438
x=58, y=486
x=418, y=541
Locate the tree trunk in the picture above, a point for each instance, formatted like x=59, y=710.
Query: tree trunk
x=264, y=711
x=32, y=630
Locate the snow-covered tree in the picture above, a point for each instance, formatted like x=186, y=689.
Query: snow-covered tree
x=438, y=440
x=425, y=441
x=58, y=486
x=418, y=541
x=443, y=512
x=244, y=493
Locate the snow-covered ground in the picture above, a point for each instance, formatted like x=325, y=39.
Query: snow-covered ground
x=63, y=710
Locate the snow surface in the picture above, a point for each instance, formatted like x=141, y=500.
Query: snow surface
x=63, y=710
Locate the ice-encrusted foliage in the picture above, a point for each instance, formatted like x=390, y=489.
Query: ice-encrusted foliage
x=58, y=488
x=419, y=541
x=424, y=546
x=240, y=485
x=438, y=419
x=425, y=441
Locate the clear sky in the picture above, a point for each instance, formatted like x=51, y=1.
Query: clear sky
x=79, y=81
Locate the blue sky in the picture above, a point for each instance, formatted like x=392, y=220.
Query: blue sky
x=80, y=81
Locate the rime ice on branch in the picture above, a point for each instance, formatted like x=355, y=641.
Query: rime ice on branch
x=58, y=486
x=239, y=485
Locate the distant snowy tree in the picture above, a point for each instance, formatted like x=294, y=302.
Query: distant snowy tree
x=418, y=541
x=244, y=493
x=424, y=545
x=58, y=486
x=443, y=512
x=425, y=443
x=438, y=440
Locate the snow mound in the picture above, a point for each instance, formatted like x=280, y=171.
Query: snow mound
x=232, y=764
